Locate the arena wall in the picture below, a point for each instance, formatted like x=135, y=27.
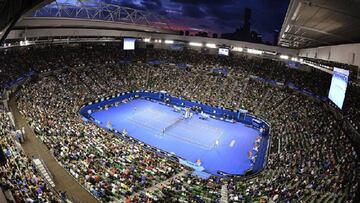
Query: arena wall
x=345, y=53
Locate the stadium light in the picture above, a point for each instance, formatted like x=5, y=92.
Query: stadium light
x=285, y=57
x=24, y=43
x=195, y=44
x=270, y=53
x=147, y=40
x=294, y=59
x=254, y=51
x=169, y=42
x=239, y=49
x=210, y=45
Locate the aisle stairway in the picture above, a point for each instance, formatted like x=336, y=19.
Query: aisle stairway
x=155, y=187
x=43, y=171
x=264, y=99
x=246, y=82
x=224, y=194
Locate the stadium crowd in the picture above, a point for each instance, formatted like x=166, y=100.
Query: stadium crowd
x=310, y=159
x=310, y=156
x=20, y=181
x=352, y=105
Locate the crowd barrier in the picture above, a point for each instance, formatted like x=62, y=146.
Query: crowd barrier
x=19, y=79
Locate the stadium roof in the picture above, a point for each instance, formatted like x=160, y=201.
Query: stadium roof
x=97, y=10
x=76, y=13
x=12, y=10
x=315, y=23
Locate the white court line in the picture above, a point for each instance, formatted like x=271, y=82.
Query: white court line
x=183, y=127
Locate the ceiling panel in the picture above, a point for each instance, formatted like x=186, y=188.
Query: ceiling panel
x=321, y=22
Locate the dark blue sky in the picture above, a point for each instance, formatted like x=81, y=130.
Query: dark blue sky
x=217, y=15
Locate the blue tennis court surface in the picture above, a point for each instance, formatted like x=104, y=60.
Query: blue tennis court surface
x=160, y=126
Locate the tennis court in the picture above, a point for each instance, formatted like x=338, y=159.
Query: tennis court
x=160, y=126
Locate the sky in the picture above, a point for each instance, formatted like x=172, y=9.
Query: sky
x=219, y=16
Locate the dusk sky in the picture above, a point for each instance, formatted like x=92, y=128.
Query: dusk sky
x=217, y=15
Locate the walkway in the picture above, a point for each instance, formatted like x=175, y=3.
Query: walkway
x=63, y=180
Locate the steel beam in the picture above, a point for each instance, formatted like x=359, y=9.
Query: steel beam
x=307, y=38
x=102, y=11
x=321, y=31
